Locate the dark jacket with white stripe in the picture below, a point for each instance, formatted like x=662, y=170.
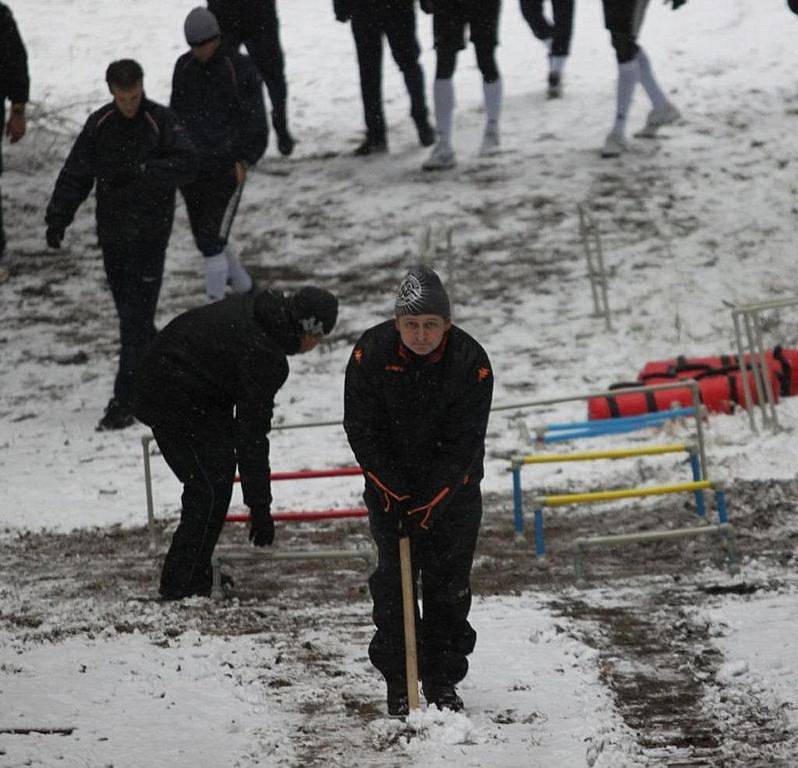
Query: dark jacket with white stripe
x=220, y=102
x=137, y=163
x=417, y=424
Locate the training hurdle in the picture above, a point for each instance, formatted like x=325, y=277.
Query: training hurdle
x=748, y=317
x=223, y=554
x=573, y=430
x=594, y=256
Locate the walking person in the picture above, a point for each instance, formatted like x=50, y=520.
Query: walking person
x=207, y=387
x=136, y=152
x=255, y=24
x=556, y=34
x=623, y=19
x=416, y=403
x=14, y=87
x=219, y=97
x=396, y=21
x=450, y=19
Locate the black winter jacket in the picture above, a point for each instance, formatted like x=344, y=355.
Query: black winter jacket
x=214, y=360
x=417, y=424
x=137, y=163
x=242, y=18
x=14, y=82
x=221, y=104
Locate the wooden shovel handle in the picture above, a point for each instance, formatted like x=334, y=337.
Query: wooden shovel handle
x=409, y=608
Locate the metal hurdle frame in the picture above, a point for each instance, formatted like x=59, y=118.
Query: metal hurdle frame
x=747, y=317
x=594, y=256
x=698, y=464
x=223, y=554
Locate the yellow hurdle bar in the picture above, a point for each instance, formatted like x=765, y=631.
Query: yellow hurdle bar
x=616, y=453
x=627, y=493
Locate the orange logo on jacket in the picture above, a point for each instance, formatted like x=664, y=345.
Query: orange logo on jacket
x=358, y=355
x=483, y=373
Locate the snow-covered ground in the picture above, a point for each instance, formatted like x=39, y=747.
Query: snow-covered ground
x=697, y=220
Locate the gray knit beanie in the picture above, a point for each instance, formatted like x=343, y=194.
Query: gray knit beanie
x=422, y=293
x=200, y=26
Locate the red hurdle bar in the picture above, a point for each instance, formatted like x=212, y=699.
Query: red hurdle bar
x=307, y=474
x=307, y=515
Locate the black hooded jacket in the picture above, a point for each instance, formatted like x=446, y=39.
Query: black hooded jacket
x=14, y=82
x=220, y=102
x=137, y=164
x=219, y=367
x=417, y=424
x=243, y=18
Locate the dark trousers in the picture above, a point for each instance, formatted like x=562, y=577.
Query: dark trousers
x=206, y=201
x=206, y=467
x=135, y=273
x=263, y=45
x=558, y=30
x=2, y=230
x=623, y=19
x=443, y=558
x=398, y=24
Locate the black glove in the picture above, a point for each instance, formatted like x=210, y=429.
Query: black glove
x=428, y=6
x=54, y=236
x=261, y=527
x=675, y=4
x=343, y=10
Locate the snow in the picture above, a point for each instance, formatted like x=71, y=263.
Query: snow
x=691, y=223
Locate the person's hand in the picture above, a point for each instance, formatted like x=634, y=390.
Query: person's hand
x=240, y=172
x=261, y=527
x=675, y=4
x=428, y=6
x=343, y=10
x=15, y=127
x=54, y=236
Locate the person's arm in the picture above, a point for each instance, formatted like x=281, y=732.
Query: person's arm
x=342, y=10
x=73, y=184
x=253, y=128
x=15, y=63
x=368, y=433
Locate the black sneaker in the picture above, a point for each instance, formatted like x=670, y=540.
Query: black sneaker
x=397, y=699
x=285, y=143
x=371, y=147
x=443, y=696
x=426, y=133
x=555, y=85
x=116, y=416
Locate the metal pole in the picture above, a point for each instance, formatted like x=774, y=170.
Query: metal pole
x=699, y=428
x=603, y=279
x=764, y=371
x=145, y=447
x=760, y=394
x=695, y=466
x=540, y=540
x=591, y=271
x=749, y=400
x=518, y=511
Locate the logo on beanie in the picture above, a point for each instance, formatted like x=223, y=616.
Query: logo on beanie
x=411, y=292
x=311, y=326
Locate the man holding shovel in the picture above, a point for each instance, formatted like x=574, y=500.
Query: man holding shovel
x=416, y=404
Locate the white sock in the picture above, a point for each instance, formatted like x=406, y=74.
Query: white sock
x=557, y=63
x=649, y=82
x=443, y=96
x=628, y=77
x=215, y=276
x=493, y=104
x=239, y=276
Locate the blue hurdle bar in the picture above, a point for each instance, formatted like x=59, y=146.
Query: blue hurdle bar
x=672, y=413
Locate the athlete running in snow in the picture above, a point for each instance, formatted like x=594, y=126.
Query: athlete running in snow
x=556, y=34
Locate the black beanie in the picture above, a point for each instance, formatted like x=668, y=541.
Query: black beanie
x=314, y=310
x=422, y=293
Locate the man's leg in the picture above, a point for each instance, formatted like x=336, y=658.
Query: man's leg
x=532, y=11
x=484, y=23
x=400, y=29
x=367, y=31
x=207, y=470
x=135, y=273
x=4, y=274
x=267, y=54
x=446, y=559
x=206, y=202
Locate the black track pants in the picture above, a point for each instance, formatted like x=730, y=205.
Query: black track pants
x=207, y=470
x=558, y=30
x=443, y=558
